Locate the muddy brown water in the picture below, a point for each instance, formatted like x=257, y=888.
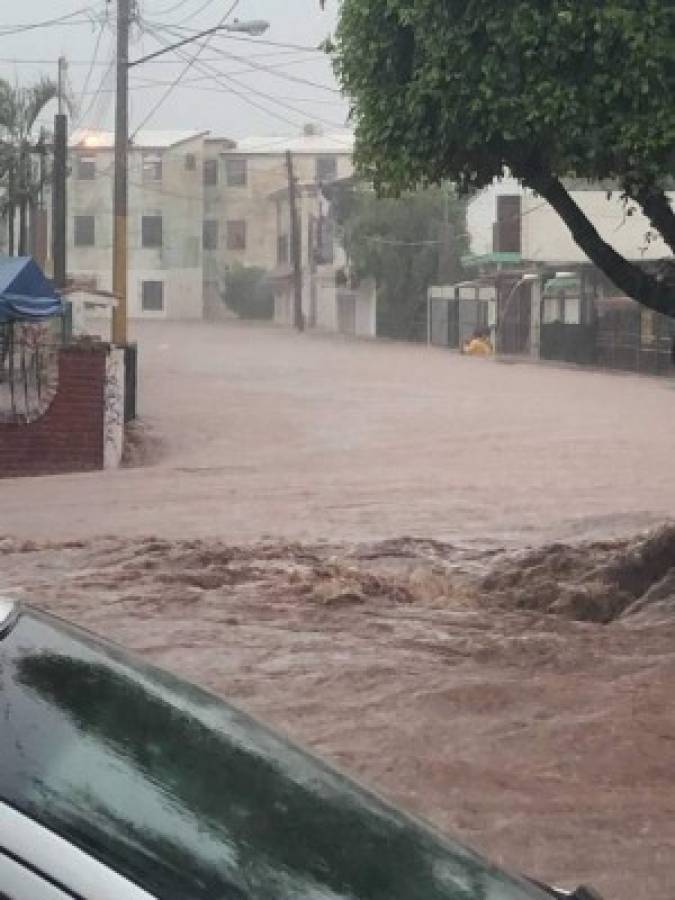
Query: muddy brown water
x=508, y=672
x=544, y=740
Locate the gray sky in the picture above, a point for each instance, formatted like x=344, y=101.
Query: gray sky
x=226, y=104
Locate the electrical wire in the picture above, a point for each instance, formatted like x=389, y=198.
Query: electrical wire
x=171, y=9
x=93, y=63
x=248, y=90
x=270, y=70
x=218, y=76
x=88, y=11
x=184, y=71
x=238, y=37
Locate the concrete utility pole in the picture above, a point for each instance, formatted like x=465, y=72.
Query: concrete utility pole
x=59, y=196
x=120, y=200
x=296, y=246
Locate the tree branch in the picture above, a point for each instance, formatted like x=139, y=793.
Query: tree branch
x=657, y=208
x=651, y=291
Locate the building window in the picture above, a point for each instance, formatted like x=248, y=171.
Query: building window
x=152, y=297
x=325, y=242
x=85, y=231
x=326, y=168
x=210, y=234
x=236, y=234
x=236, y=172
x=152, y=167
x=508, y=229
x=86, y=168
x=282, y=249
x=151, y=228
x=210, y=172
x=190, y=162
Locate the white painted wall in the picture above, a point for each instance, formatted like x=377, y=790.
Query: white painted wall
x=482, y=213
x=546, y=238
x=113, y=424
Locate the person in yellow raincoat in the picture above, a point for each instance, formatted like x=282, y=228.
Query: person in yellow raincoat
x=479, y=345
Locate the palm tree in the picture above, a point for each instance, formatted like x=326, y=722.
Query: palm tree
x=20, y=108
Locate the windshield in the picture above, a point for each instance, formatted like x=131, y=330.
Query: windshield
x=188, y=797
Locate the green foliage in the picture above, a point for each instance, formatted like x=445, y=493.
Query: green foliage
x=450, y=89
x=397, y=242
x=457, y=90
x=20, y=108
x=249, y=293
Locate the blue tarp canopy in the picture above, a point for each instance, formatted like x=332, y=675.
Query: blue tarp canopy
x=25, y=293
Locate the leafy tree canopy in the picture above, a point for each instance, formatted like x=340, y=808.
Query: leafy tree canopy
x=466, y=90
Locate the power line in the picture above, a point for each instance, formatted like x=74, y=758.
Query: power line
x=239, y=37
x=87, y=11
x=172, y=9
x=218, y=76
x=278, y=74
x=93, y=63
x=185, y=70
x=283, y=104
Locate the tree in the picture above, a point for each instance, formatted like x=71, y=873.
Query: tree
x=249, y=293
x=20, y=108
x=405, y=244
x=446, y=89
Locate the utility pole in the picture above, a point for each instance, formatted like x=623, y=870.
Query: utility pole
x=296, y=246
x=120, y=200
x=445, y=252
x=59, y=197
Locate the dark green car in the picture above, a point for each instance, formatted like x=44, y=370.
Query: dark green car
x=120, y=781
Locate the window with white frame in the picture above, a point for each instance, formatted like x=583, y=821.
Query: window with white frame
x=210, y=172
x=86, y=168
x=236, y=172
x=152, y=167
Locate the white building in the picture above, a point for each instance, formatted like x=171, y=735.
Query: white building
x=538, y=233
x=166, y=203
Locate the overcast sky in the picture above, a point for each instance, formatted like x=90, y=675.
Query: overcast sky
x=227, y=104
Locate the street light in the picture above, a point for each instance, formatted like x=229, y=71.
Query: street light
x=254, y=27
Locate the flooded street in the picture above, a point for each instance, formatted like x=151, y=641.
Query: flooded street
x=264, y=432
x=330, y=534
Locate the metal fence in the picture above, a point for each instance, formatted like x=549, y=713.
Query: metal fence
x=28, y=368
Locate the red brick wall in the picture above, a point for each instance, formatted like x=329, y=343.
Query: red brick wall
x=69, y=436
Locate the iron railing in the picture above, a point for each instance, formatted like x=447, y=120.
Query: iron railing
x=28, y=368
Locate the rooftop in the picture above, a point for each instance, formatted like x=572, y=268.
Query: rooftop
x=331, y=142
x=144, y=140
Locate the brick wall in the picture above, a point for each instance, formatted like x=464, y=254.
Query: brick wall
x=69, y=436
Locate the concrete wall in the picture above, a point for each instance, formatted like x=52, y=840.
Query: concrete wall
x=69, y=437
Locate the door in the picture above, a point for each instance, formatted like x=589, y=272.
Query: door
x=346, y=313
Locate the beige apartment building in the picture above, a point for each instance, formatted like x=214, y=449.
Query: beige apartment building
x=200, y=206
x=248, y=223
x=166, y=202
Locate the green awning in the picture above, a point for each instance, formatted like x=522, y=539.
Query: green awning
x=491, y=259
